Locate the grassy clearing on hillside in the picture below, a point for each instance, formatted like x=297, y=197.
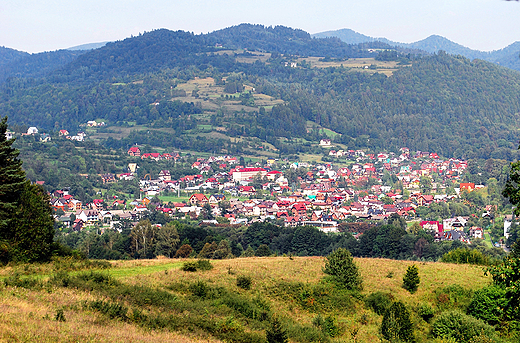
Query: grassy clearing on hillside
x=172, y=198
x=154, y=300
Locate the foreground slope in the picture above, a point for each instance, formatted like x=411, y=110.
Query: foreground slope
x=208, y=306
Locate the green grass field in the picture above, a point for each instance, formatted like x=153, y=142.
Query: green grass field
x=172, y=198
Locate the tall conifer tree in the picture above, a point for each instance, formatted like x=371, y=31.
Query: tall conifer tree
x=12, y=182
x=26, y=223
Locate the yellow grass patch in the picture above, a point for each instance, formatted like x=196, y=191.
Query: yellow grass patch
x=29, y=315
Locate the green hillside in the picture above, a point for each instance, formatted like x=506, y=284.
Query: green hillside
x=271, y=91
x=154, y=300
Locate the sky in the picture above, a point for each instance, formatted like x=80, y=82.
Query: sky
x=36, y=26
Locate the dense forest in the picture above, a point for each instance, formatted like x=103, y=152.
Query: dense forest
x=421, y=105
x=175, y=237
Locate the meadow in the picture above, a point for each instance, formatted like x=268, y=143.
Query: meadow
x=156, y=301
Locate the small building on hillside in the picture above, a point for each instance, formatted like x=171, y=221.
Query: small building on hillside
x=134, y=151
x=32, y=130
x=325, y=143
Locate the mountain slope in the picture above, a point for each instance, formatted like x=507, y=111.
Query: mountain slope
x=284, y=40
x=440, y=103
x=347, y=35
x=36, y=65
x=8, y=55
x=507, y=57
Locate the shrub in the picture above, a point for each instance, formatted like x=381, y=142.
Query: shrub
x=112, y=310
x=60, y=316
x=506, y=275
x=488, y=304
x=189, y=266
x=60, y=279
x=199, y=289
x=327, y=325
x=465, y=255
x=244, y=282
x=344, y=272
x=411, y=279
x=461, y=327
x=16, y=280
x=263, y=250
x=379, y=302
x=204, y=265
x=276, y=333
x=397, y=325
x=453, y=297
x=426, y=312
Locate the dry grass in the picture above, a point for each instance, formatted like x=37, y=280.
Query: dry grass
x=433, y=275
x=358, y=64
x=29, y=315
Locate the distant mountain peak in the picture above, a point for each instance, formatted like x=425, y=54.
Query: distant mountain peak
x=507, y=57
x=88, y=46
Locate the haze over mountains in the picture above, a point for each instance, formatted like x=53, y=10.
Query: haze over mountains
x=507, y=57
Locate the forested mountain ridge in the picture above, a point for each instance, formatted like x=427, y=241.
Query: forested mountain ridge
x=38, y=65
x=440, y=103
x=8, y=55
x=507, y=57
x=160, y=49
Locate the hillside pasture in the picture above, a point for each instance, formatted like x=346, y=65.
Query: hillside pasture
x=292, y=288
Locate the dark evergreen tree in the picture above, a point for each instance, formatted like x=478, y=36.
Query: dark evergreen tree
x=411, y=279
x=26, y=223
x=276, y=333
x=12, y=182
x=341, y=267
x=397, y=325
x=33, y=226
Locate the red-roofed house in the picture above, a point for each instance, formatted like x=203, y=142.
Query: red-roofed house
x=432, y=226
x=299, y=209
x=424, y=200
x=247, y=190
x=134, y=151
x=273, y=175
x=198, y=199
x=467, y=187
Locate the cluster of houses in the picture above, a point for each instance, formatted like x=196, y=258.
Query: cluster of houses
x=322, y=196
x=44, y=137
x=453, y=229
x=135, y=151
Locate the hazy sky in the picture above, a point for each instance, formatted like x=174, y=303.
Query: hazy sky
x=36, y=25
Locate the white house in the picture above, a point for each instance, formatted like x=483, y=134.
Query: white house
x=325, y=143
x=32, y=130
